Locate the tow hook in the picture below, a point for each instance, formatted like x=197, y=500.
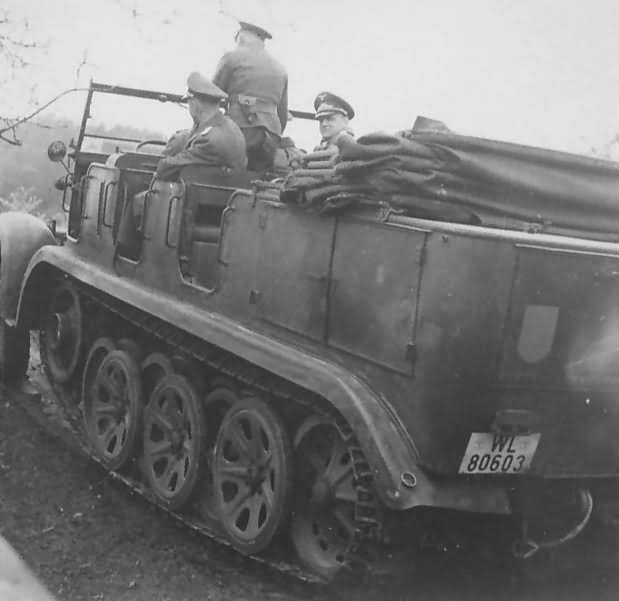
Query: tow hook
x=525, y=547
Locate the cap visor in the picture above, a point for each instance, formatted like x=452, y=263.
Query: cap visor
x=320, y=114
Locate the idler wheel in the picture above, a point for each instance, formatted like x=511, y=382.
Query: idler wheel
x=61, y=336
x=113, y=407
x=14, y=353
x=323, y=522
x=174, y=440
x=252, y=474
x=216, y=404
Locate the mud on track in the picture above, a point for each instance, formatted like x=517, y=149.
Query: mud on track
x=88, y=538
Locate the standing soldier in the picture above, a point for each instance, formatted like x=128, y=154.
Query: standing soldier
x=257, y=86
x=333, y=114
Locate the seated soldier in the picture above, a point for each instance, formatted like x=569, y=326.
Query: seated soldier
x=215, y=140
x=333, y=114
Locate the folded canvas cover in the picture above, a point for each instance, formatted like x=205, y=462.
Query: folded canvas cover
x=503, y=184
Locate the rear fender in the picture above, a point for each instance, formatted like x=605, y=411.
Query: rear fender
x=21, y=235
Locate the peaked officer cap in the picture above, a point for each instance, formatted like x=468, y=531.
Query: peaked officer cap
x=259, y=31
x=202, y=87
x=327, y=103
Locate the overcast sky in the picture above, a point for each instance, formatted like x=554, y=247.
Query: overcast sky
x=539, y=72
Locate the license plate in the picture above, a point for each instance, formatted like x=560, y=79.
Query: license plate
x=489, y=453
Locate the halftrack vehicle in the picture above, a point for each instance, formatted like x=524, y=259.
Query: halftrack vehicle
x=318, y=378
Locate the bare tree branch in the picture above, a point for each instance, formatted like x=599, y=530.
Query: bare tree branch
x=13, y=142
x=11, y=127
x=83, y=63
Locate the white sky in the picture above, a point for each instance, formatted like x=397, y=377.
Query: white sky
x=539, y=72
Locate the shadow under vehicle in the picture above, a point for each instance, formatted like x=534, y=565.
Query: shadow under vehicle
x=284, y=375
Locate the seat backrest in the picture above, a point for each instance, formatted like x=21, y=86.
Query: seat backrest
x=136, y=173
x=216, y=176
x=134, y=160
x=207, y=193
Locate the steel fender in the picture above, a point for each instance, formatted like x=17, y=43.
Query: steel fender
x=21, y=235
x=382, y=437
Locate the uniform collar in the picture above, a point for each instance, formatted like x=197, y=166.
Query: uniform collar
x=216, y=119
x=338, y=135
x=200, y=128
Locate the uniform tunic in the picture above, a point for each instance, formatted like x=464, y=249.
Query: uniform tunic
x=176, y=143
x=217, y=142
x=257, y=86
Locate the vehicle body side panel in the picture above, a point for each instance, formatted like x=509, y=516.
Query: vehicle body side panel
x=464, y=299
x=383, y=440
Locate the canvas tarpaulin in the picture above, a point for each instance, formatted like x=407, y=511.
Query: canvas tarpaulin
x=502, y=184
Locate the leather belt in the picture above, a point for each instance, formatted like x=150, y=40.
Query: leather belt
x=251, y=101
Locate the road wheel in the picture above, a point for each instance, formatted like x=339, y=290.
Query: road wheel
x=252, y=474
x=100, y=348
x=61, y=336
x=154, y=368
x=323, y=524
x=132, y=347
x=113, y=409
x=174, y=441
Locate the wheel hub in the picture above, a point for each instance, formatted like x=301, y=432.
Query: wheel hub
x=251, y=474
x=321, y=494
x=256, y=474
x=117, y=412
x=173, y=440
x=177, y=440
x=62, y=334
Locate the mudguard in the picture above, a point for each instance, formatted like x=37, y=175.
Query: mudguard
x=400, y=483
x=21, y=235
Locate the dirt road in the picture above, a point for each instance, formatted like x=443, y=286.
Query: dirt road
x=88, y=538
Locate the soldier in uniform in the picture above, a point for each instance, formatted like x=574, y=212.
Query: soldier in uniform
x=215, y=140
x=257, y=86
x=333, y=114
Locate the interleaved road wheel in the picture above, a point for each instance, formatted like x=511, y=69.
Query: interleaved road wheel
x=252, y=474
x=174, y=440
x=113, y=409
